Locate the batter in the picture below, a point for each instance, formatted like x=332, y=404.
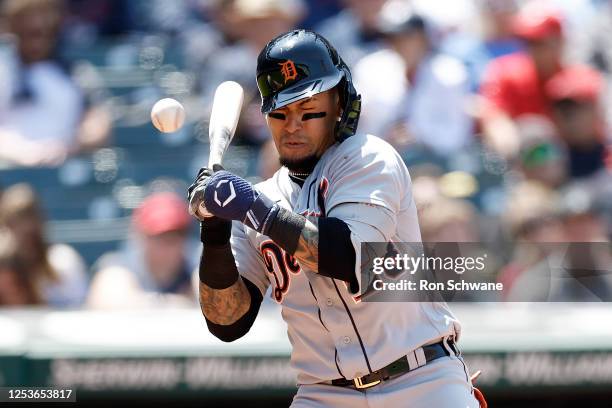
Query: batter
x=300, y=233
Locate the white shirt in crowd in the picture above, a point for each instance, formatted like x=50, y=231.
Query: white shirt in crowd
x=433, y=107
x=39, y=104
x=71, y=288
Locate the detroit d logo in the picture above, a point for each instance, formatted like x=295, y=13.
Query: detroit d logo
x=288, y=70
x=228, y=199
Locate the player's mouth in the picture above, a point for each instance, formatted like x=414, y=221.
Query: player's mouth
x=294, y=145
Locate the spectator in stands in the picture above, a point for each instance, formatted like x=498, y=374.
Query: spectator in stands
x=586, y=267
x=442, y=217
x=532, y=223
x=42, y=114
x=581, y=211
x=592, y=44
x=155, y=266
x=15, y=287
x=575, y=93
x=208, y=34
x=578, y=269
x=411, y=93
x=56, y=271
x=450, y=228
x=542, y=156
x=513, y=85
x=319, y=10
x=91, y=19
x=492, y=37
x=354, y=30
x=425, y=185
x=449, y=220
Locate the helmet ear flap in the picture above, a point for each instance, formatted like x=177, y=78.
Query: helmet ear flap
x=351, y=107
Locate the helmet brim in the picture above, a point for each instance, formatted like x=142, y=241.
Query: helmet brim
x=300, y=91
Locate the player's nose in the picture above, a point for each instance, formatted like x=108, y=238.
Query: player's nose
x=293, y=123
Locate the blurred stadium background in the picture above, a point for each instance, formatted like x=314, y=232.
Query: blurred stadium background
x=501, y=149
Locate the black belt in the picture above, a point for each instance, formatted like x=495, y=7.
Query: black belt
x=404, y=364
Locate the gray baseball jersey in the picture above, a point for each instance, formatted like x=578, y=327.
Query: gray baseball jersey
x=364, y=182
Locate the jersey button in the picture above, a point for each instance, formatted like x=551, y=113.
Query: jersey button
x=329, y=302
x=346, y=339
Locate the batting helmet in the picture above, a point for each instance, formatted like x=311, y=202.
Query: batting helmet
x=299, y=64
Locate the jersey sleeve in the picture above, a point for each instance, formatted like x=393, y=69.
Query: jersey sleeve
x=367, y=223
x=367, y=170
x=248, y=262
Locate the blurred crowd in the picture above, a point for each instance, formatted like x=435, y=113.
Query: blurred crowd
x=500, y=109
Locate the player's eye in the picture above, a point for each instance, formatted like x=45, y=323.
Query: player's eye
x=275, y=115
x=316, y=115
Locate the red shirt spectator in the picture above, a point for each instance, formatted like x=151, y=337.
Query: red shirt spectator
x=575, y=93
x=515, y=83
x=512, y=84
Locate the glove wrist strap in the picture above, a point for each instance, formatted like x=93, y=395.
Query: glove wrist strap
x=261, y=214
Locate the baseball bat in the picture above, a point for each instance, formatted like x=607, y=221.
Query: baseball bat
x=226, y=107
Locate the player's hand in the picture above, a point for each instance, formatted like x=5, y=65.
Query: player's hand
x=195, y=192
x=231, y=197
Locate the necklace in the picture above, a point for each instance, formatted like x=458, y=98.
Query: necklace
x=299, y=175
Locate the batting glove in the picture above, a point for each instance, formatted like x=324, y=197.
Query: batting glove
x=195, y=192
x=231, y=197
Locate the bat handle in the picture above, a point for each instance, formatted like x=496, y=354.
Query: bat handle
x=216, y=166
x=212, y=160
x=216, y=155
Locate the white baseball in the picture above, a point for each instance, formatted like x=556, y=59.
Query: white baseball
x=168, y=115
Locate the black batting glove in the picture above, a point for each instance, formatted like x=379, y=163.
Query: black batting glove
x=213, y=230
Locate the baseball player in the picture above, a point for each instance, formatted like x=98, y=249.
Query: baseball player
x=300, y=233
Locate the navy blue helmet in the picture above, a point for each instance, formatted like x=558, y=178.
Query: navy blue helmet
x=299, y=64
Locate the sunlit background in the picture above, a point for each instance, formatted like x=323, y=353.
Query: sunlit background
x=499, y=108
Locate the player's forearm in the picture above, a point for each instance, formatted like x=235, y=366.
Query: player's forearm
x=297, y=235
x=300, y=236
x=224, y=298
x=307, y=248
x=225, y=306
x=229, y=302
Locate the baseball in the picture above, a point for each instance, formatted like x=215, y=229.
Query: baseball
x=168, y=115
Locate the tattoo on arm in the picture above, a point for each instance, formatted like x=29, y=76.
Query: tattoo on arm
x=225, y=306
x=307, y=251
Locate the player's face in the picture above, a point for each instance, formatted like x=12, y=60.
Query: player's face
x=304, y=129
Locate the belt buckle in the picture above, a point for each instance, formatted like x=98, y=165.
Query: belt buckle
x=361, y=386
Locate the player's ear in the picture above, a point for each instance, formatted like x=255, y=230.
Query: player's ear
x=338, y=104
